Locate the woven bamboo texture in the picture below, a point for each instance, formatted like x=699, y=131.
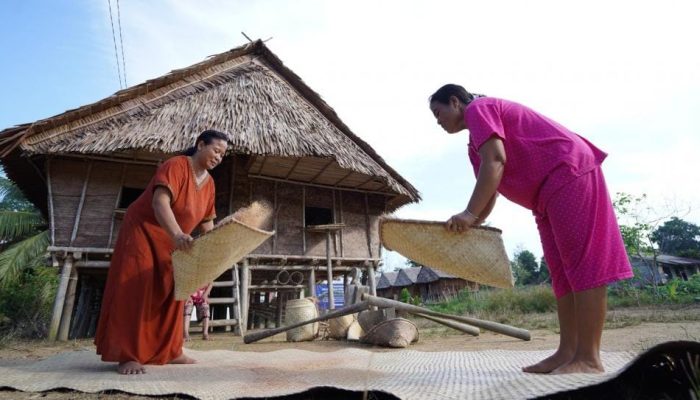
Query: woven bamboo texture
x=213, y=253
x=299, y=310
x=224, y=374
x=395, y=332
x=477, y=255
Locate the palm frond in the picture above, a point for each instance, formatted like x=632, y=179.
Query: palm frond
x=15, y=225
x=28, y=253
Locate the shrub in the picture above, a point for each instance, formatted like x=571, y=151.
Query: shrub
x=26, y=305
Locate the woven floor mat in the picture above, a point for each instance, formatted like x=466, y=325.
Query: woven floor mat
x=222, y=374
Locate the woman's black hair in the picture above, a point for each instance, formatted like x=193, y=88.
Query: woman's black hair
x=207, y=137
x=443, y=94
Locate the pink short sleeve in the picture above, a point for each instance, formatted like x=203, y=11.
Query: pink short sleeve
x=483, y=122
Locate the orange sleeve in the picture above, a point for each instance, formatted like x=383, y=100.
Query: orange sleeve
x=211, y=206
x=171, y=175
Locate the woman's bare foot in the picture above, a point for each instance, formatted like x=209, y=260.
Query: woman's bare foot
x=206, y=337
x=187, y=339
x=183, y=359
x=131, y=368
x=580, y=367
x=549, y=364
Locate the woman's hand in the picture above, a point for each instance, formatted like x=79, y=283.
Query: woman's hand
x=182, y=241
x=461, y=222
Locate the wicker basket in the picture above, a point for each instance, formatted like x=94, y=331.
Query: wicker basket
x=212, y=254
x=396, y=332
x=477, y=255
x=338, y=327
x=299, y=310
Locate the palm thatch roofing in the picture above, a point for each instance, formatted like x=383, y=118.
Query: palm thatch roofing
x=427, y=275
x=407, y=276
x=387, y=280
x=267, y=111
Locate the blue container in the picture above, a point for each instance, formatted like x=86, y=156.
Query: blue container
x=338, y=295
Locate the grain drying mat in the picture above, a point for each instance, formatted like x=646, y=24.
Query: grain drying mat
x=223, y=374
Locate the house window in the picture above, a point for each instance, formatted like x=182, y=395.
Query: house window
x=318, y=216
x=128, y=196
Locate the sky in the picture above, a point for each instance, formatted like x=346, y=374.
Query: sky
x=623, y=74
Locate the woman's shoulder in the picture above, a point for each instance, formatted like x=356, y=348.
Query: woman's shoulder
x=176, y=161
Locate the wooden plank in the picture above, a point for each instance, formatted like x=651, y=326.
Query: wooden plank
x=116, y=205
x=244, y=294
x=222, y=300
x=67, y=313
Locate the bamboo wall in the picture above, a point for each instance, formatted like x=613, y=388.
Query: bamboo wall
x=99, y=183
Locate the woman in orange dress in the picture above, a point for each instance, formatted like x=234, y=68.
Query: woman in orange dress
x=140, y=321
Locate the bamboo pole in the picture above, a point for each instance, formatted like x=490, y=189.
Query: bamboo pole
x=303, y=220
x=342, y=221
x=52, y=222
x=60, y=297
x=329, y=270
x=245, y=283
x=293, y=182
x=367, y=226
x=275, y=211
x=239, y=329
x=76, y=223
x=116, y=205
x=67, y=313
x=312, y=281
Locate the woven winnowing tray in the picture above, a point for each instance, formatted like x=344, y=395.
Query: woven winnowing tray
x=477, y=255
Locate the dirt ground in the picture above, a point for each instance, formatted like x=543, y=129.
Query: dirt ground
x=635, y=338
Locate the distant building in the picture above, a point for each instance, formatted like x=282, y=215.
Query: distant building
x=430, y=284
x=665, y=267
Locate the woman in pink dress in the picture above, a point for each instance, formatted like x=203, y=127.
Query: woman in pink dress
x=544, y=167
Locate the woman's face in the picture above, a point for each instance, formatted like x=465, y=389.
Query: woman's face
x=449, y=116
x=210, y=155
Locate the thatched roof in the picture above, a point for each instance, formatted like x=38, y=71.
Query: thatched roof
x=407, y=276
x=267, y=111
x=387, y=280
x=427, y=275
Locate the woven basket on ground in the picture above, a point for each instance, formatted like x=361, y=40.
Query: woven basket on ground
x=395, y=332
x=299, y=310
x=213, y=253
x=338, y=327
x=477, y=255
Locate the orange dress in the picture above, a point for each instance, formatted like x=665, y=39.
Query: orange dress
x=140, y=319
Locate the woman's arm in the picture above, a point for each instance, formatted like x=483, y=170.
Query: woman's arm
x=493, y=161
x=205, y=227
x=166, y=219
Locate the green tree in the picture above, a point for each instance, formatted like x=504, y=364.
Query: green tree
x=524, y=266
x=27, y=284
x=677, y=237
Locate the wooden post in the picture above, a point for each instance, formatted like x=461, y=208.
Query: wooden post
x=245, y=282
x=67, y=314
x=312, y=282
x=239, y=329
x=278, y=317
x=367, y=225
x=303, y=220
x=60, y=297
x=81, y=203
x=371, y=281
x=52, y=224
x=116, y=204
x=340, y=206
x=329, y=269
x=274, y=210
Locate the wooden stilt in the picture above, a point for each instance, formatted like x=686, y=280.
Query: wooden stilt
x=312, y=281
x=67, y=314
x=52, y=224
x=60, y=297
x=239, y=329
x=329, y=269
x=245, y=283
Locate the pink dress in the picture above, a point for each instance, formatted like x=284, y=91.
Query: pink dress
x=556, y=174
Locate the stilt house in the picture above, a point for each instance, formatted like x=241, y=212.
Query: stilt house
x=84, y=167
